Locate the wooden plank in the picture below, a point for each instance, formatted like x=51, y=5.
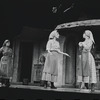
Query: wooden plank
x=95, y=22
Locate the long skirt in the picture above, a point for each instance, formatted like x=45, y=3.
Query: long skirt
x=6, y=66
x=50, y=71
x=86, y=68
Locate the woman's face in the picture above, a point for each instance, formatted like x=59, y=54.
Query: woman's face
x=8, y=44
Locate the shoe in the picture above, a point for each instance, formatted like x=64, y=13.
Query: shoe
x=45, y=84
x=92, y=90
x=52, y=86
x=80, y=86
x=87, y=85
x=92, y=87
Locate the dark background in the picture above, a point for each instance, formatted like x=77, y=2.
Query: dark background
x=15, y=14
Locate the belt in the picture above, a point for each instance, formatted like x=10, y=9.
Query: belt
x=53, y=51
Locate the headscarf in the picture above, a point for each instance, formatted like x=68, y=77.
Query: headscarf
x=90, y=35
x=5, y=42
x=53, y=34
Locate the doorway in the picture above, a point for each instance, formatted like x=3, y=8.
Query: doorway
x=25, y=61
x=70, y=63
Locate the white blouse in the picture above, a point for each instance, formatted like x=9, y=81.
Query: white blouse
x=52, y=45
x=86, y=45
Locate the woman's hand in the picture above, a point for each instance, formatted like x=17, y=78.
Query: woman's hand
x=63, y=53
x=80, y=44
x=68, y=55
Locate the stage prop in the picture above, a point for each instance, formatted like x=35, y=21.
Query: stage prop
x=5, y=81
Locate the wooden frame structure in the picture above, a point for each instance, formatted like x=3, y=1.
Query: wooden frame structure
x=94, y=22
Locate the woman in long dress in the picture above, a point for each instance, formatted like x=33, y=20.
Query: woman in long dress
x=50, y=71
x=6, y=60
x=87, y=69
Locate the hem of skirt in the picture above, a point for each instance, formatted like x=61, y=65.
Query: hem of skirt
x=49, y=77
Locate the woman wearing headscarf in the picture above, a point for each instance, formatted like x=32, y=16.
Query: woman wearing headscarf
x=6, y=60
x=87, y=69
x=50, y=71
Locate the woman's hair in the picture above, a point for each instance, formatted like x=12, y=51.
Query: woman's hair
x=6, y=41
x=89, y=34
x=93, y=49
x=53, y=34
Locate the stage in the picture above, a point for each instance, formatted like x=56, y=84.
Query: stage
x=28, y=92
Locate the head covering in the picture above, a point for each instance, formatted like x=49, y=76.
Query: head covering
x=6, y=41
x=53, y=34
x=90, y=35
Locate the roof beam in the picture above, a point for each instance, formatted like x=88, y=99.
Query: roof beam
x=95, y=22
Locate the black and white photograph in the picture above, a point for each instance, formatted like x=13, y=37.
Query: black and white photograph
x=49, y=50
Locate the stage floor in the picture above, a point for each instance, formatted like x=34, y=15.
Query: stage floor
x=56, y=90
x=28, y=92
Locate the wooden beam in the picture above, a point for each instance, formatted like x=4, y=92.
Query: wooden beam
x=95, y=22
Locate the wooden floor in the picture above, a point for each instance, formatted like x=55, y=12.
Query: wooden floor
x=27, y=92
x=56, y=90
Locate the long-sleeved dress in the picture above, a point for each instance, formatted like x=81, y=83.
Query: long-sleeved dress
x=86, y=65
x=6, y=62
x=50, y=71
